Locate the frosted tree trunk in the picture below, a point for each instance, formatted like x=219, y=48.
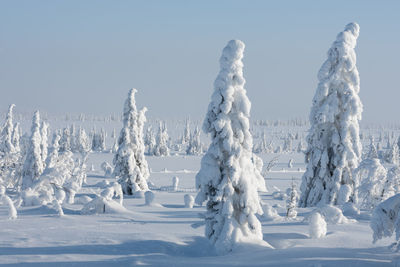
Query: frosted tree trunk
x=229, y=176
x=334, y=148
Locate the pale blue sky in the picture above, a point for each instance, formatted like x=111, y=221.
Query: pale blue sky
x=83, y=56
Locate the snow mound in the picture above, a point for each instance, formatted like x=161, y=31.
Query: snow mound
x=189, y=201
x=101, y=205
x=317, y=226
x=278, y=195
x=270, y=214
x=333, y=215
x=83, y=200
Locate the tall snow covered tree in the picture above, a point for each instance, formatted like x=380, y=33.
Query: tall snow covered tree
x=6, y=145
x=130, y=165
x=33, y=165
x=229, y=177
x=334, y=148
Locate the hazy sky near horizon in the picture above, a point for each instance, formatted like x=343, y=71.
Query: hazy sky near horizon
x=84, y=56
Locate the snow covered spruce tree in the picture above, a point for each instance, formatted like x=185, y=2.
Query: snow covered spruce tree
x=334, y=148
x=6, y=145
x=229, y=176
x=194, y=145
x=130, y=165
x=33, y=165
x=161, y=147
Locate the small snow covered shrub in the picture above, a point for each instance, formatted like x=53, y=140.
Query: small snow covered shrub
x=317, y=226
x=114, y=190
x=149, y=198
x=385, y=219
x=370, y=181
x=270, y=213
x=332, y=214
x=291, y=201
x=104, y=203
x=189, y=201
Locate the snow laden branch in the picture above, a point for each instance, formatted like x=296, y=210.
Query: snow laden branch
x=334, y=148
x=229, y=176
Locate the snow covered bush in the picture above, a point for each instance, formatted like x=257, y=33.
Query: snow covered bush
x=189, y=201
x=291, y=201
x=114, y=190
x=270, y=213
x=104, y=203
x=385, y=219
x=130, y=165
x=229, y=175
x=370, y=181
x=317, y=226
x=332, y=214
x=334, y=148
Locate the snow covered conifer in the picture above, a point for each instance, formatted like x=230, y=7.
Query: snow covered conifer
x=16, y=137
x=53, y=151
x=83, y=143
x=370, y=181
x=229, y=176
x=393, y=154
x=334, y=148
x=6, y=145
x=65, y=141
x=186, y=133
x=33, y=165
x=43, y=145
x=291, y=202
x=130, y=165
x=194, y=146
x=161, y=147
x=372, y=153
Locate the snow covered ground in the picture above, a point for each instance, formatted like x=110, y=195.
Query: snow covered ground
x=169, y=234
